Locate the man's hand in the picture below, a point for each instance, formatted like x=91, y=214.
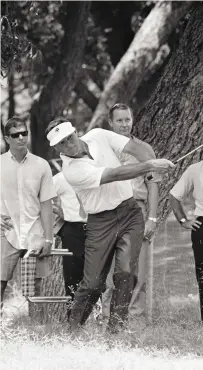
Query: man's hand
x=45, y=250
x=150, y=227
x=6, y=223
x=191, y=224
x=161, y=165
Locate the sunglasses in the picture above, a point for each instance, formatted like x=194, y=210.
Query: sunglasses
x=17, y=134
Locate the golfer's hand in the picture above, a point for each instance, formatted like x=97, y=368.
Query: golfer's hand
x=150, y=227
x=45, y=250
x=161, y=165
x=191, y=224
x=6, y=223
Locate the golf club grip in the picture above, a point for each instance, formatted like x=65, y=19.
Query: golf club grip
x=150, y=177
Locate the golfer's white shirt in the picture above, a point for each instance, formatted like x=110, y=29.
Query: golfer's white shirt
x=191, y=182
x=69, y=202
x=84, y=174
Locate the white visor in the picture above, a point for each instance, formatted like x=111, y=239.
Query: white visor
x=59, y=133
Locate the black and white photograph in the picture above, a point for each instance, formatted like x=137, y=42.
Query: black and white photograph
x=101, y=185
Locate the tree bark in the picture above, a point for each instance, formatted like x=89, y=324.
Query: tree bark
x=54, y=96
x=86, y=95
x=134, y=67
x=172, y=121
x=11, y=109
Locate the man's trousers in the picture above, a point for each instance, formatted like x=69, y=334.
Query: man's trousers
x=73, y=238
x=137, y=305
x=108, y=233
x=197, y=245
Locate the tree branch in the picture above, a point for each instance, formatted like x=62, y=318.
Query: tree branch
x=134, y=66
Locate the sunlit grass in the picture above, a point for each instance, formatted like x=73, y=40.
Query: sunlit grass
x=171, y=341
x=174, y=340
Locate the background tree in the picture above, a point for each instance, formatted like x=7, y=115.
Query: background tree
x=135, y=65
x=172, y=121
x=54, y=95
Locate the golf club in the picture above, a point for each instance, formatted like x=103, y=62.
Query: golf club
x=180, y=159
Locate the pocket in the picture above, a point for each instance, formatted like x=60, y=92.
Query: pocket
x=32, y=186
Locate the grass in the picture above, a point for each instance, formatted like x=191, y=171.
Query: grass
x=37, y=347
x=173, y=341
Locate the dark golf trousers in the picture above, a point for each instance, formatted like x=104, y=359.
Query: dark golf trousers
x=107, y=233
x=73, y=238
x=197, y=245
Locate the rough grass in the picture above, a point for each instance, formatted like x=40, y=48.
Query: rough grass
x=173, y=341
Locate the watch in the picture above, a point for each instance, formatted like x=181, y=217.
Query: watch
x=49, y=241
x=182, y=220
x=154, y=219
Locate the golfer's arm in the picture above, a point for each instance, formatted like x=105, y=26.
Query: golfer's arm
x=47, y=219
x=177, y=208
x=153, y=198
x=126, y=172
x=140, y=150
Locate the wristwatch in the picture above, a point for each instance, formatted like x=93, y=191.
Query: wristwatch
x=182, y=220
x=49, y=241
x=154, y=219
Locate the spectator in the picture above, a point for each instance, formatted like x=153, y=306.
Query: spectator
x=191, y=183
x=121, y=121
x=72, y=234
x=26, y=207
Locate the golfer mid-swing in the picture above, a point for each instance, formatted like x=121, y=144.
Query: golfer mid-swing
x=91, y=166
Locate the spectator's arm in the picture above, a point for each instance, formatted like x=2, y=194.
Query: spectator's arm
x=47, y=224
x=177, y=208
x=179, y=213
x=57, y=208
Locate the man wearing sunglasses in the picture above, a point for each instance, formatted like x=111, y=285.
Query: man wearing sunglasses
x=26, y=207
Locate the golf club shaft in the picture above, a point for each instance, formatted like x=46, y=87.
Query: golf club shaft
x=192, y=151
x=180, y=159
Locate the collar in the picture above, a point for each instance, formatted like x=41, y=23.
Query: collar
x=65, y=157
x=12, y=156
x=85, y=152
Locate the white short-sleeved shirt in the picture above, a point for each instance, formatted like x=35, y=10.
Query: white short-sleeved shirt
x=84, y=174
x=191, y=182
x=23, y=187
x=69, y=200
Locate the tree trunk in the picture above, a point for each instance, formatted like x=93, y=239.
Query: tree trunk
x=172, y=121
x=11, y=109
x=86, y=95
x=54, y=97
x=136, y=64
